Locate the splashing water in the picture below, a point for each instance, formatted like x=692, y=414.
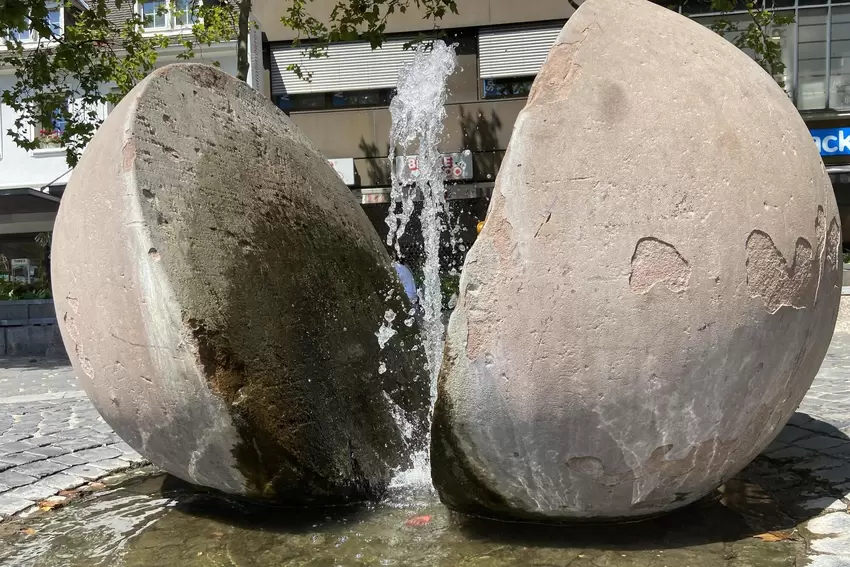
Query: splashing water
x=418, y=112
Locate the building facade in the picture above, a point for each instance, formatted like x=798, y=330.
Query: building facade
x=344, y=108
x=32, y=181
x=816, y=54
x=501, y=45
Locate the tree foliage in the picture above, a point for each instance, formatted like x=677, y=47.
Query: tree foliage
x=67, y=76
x=758, y=36
x=757, y=32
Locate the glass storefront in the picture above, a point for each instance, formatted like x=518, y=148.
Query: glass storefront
x=22, y=258
x=815, y=50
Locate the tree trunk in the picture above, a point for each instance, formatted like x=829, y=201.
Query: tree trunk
x=243, y=62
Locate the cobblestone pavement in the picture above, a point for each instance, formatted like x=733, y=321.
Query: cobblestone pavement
x=51, y=437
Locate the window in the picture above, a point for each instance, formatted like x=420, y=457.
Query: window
x=23, y=35
x=154, y=14
x=507, y=88
x=54, y=20
x=167, y=14
x=324, y=101
x=183, y=16
x=357, y=98
x=839, y=69
x=49, y=135
x=811, y=81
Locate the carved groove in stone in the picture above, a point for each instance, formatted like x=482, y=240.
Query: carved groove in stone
x=655, y=261
x=770, y=277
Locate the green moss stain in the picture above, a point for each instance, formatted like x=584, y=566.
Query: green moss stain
x=284, y=291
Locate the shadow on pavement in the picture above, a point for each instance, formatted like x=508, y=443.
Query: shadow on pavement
x=34, y=363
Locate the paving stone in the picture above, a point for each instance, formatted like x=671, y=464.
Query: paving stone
x=124, y=448
x=78, y=444
x=21, y=458
x=112, y=465
x=50, y=451
x=790, y=453
x=775, y=446
x=12, y=437
x=87, y=472
x=819, y=463
x=829, y=561
x=69, y=459
x=822, y=427
x=791, y=433
x=819, y=442
x=832, y=545
x=43, y=440
x=45, y=431
x=15, y=447
x=825, y=503
x=10, y=505
x=799, y=419
x=830, y=524
x=133, y=458
x=14, y=479
x=63, y=481
x=834, y=475
x=36, y=491
x=41, y=468
x=98, y=454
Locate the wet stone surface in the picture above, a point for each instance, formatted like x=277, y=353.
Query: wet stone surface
x=788, y=508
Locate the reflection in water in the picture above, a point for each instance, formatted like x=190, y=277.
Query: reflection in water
x=161, y=521
x=94, y=534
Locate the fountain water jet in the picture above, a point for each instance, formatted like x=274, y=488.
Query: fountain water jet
x=418, y=112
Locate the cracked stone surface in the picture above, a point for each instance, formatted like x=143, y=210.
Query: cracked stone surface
x=51, y=436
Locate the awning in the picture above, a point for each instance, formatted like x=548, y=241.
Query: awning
x=26, y=201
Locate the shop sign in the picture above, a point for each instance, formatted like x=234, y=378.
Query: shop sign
x=344, y=167
x=456, y=167
x=832, y=141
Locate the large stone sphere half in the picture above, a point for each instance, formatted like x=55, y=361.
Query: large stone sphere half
x=219, y=290
x=654, y=289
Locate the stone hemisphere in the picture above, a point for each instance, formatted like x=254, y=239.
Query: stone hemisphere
x=655, y=287
x=219, y=288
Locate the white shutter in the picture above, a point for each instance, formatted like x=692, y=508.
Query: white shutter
x=348, y=67
x=515, y=52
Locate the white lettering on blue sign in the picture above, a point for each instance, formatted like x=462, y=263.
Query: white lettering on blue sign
x=832, y=141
